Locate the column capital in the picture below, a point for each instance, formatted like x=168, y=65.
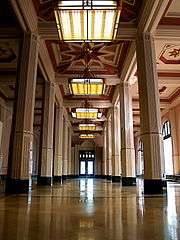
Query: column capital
x=144, y=37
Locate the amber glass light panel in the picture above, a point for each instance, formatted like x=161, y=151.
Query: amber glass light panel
x=86, y=136
x=79, y=21
x=86, y=113
x=87, y=127
x=87, y=86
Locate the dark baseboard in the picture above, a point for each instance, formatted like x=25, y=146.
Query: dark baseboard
x=154, y=186
x=3, y=177
x=72, y=176
x=64, y=177
x=128, y=181
x=109, y=177
x=44, y=181
x=98, y=176
x=177, y=177
x=16, y=186
x=116, y=179
x=103, y=176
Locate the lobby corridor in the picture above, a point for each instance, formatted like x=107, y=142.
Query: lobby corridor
x=90, y=209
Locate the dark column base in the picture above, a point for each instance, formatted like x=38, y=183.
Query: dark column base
x=128, y=181
x=153, y=186
x=64, y=177
x=16, y=186
x=103, y=176
x=57, y=178
x=44, y=181
x=116, y=179
x=109, y=177
x=98, y=176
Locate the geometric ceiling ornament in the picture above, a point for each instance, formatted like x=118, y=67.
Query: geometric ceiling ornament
x=170, y=54
x=85, y=20
x=103, y=58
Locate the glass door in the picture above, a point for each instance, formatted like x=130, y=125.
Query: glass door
x=86, y=159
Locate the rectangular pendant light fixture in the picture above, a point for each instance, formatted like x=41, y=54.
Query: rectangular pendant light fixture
x=88, y=87
x=86, y=113
x=87, y=136
x=87, y=127
x=87, y=20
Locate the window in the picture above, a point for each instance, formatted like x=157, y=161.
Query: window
x=166, y=130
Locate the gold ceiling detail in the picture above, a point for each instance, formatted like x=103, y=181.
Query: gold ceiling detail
x=90, y=136
x=86, y=113
x=87, y=20
x=87, y=87
x=87, y=127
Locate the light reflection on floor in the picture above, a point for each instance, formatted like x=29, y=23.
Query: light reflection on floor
x=91, y=209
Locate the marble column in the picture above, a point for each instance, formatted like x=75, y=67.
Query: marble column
x=149, y=113
x=73, y=161
x=115, y=145
x=104, y=160
x=22, y=127
x=109, y=150
x=57, y=176
x=76, y=159
x=127, y=137
x=65, y=150
x=69, y=153
x=46, y=164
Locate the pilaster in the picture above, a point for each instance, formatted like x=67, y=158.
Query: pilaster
x=115, y=145
x=104, y=160
x=109, y=150
x=69, y=153
x=58, y=144
x=65, y=150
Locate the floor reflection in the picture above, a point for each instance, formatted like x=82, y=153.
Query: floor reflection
x=89, y=209
x=172, y=212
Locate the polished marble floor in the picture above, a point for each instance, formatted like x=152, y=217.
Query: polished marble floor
x=90, y=209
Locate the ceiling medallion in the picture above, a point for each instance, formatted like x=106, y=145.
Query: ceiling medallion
x=87, y=20
x=87, y=84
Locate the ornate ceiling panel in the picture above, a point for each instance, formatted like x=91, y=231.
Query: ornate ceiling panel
x=168, y=55
x=172, y=14
x=103, y=58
